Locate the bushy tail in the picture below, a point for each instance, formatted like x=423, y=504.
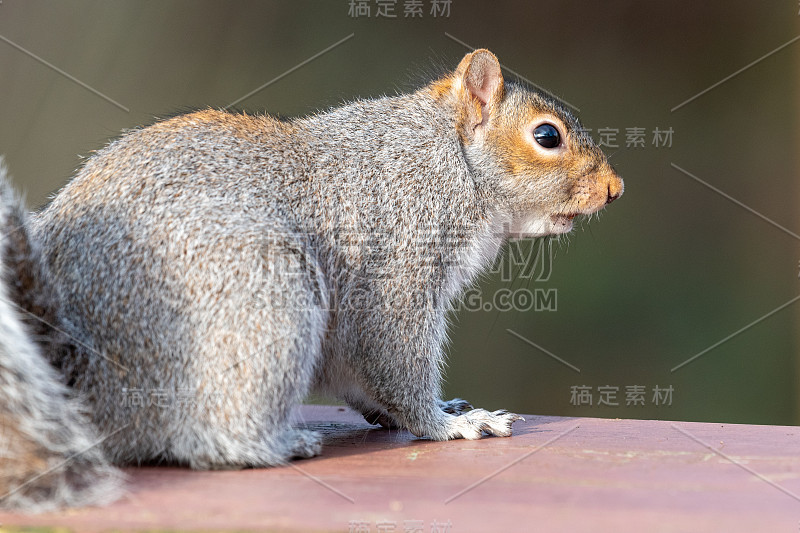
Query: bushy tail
x=49, y=454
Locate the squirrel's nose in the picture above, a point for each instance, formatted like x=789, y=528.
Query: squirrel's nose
x=611, y=196
x=615, y=188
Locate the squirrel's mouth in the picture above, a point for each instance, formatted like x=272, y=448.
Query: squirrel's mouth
x=562, y=223
x=539, y=226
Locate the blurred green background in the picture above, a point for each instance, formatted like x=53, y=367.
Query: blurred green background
x=667, y=272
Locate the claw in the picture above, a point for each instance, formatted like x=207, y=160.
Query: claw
x=456, y=406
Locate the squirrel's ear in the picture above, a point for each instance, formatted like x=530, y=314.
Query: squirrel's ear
x=482, y=80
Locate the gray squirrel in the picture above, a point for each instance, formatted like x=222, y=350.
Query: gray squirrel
x=200, y=276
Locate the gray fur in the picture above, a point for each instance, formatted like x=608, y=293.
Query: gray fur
x=48, y=452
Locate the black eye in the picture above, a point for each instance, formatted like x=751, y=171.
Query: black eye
x=547, y=136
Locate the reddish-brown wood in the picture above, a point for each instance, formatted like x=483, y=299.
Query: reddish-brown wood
x=555, y=474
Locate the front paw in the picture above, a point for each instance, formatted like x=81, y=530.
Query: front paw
x=473, y=424
x=456, y=406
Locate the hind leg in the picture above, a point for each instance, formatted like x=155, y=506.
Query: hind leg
x=256, y=366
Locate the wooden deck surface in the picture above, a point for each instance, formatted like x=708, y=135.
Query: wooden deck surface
x=554, y=474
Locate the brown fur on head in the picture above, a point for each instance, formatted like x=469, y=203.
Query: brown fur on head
x=547, y=186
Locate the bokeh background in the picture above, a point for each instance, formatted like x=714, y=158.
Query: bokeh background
x=667, y=272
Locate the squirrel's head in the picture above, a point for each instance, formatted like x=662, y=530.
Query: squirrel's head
x=531, y=147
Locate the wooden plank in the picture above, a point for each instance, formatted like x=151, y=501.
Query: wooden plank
x=554, y=474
